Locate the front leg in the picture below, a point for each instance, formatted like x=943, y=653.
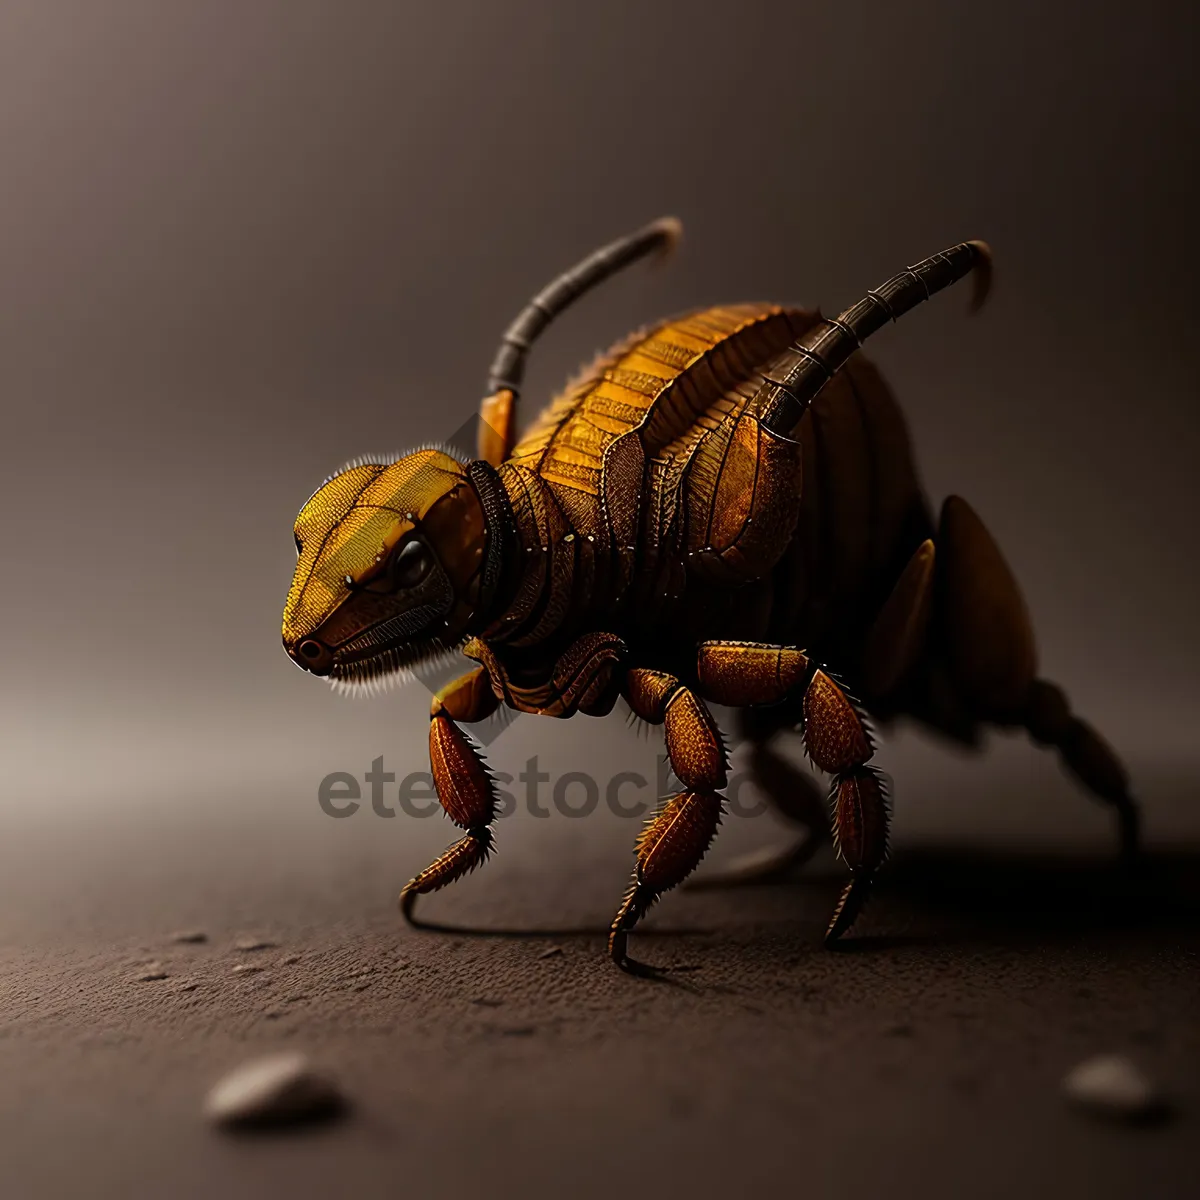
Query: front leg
x=464, y=785
x=678, y=835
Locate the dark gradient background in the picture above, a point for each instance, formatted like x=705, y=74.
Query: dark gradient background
x=241, y=243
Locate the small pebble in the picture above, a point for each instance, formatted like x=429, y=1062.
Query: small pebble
x=551, y=952
x=246, y=969
x=151, y=972
x=190, y=937
x=253, y=943
x=280, y=1090
x=289, y=959
x=1111, y=1086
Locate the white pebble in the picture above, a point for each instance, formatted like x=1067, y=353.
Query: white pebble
x=276, y=1090
x=1110, y=1085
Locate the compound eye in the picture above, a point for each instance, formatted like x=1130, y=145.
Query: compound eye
x=413, y=563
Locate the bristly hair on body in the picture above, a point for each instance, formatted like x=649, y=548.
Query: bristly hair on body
x=388, y=460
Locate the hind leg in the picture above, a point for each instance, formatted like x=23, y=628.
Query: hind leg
x=990, y=651
x=1086, y=755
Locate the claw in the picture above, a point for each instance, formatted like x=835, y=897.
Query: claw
x=642, y=970
x=455, y=862
x=617, y=944
x=849, y=907
x=407, y=902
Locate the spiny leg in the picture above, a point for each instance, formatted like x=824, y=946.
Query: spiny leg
x=750, y=673
x=837, y=741
x=677, y=836
x=463, y=784
x=795, y=795
x=748, y=676
x=668, y=849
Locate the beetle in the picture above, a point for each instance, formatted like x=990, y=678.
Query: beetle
x=724, y=509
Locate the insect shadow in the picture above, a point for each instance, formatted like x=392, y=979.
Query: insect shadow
x=545, y=932
x=1048, y=892
x=990, y=894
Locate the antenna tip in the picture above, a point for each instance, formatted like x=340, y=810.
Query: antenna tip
x=670, y=233
x=982, y=274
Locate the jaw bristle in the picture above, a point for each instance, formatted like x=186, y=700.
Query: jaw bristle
x=392, y=668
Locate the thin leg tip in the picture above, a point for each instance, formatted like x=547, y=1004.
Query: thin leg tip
x=849, y=908
x=640, y=970
x=406, y=903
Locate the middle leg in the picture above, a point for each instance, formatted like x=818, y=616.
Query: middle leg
x=794, y=793
x=679, y=833
x=743, y=674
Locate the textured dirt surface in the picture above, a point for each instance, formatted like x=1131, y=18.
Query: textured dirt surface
x=924, y=1060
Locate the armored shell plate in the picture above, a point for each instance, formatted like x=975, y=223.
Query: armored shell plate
x=660, y=381
x=655, y=451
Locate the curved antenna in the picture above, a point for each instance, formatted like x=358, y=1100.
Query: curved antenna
x=806, y=366
x=508, y=367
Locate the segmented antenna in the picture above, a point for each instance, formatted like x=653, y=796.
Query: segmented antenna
x=508, y=367
x=806, y=366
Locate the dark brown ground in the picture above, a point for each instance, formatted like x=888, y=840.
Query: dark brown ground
x=924, y=1060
